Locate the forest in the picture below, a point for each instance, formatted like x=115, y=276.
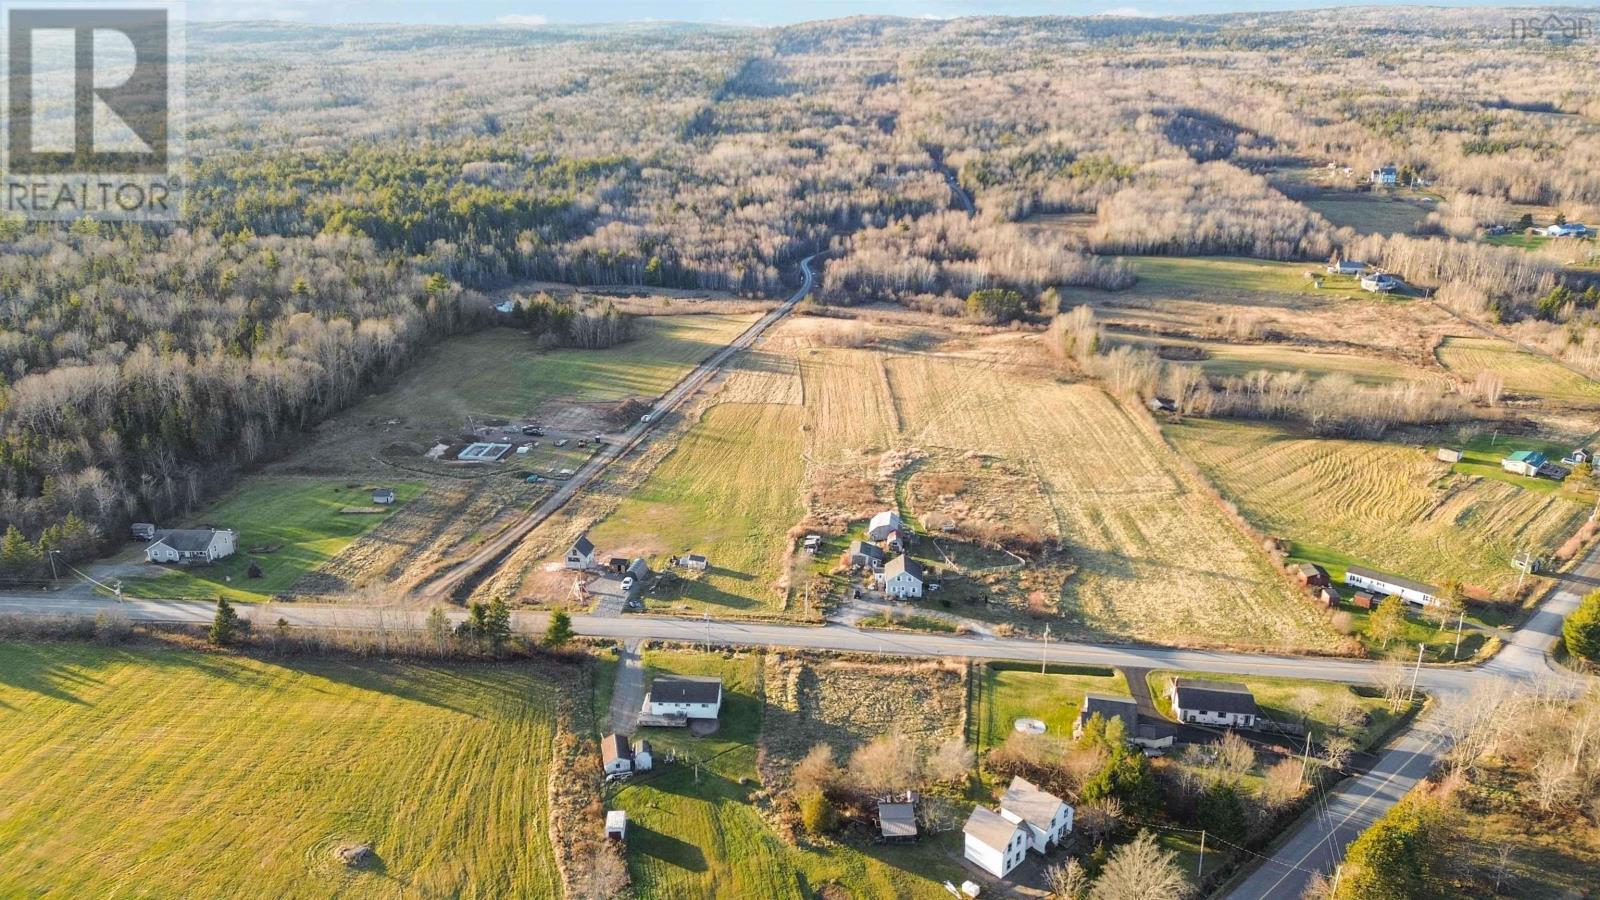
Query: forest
x=355, y=193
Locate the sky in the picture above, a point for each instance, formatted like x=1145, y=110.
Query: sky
x=734, y=12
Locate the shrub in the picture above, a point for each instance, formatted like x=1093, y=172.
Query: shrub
x=1582, y=629
x=817, y=815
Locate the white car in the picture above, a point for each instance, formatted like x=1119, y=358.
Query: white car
x=647, y=418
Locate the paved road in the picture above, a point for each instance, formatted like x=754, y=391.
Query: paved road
x=444, y=585
x=627, y=694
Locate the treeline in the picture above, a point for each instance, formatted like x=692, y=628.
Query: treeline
x=590, y=325
x=933, y=260
x=147, y=370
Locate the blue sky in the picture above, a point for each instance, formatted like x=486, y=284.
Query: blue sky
x=744, y=12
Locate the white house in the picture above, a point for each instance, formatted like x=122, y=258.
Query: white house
x=616, y=757
x=1567, y=229
x=581, y=555
x=901, y=578
x=191, y=545
x=883, y=523
x=617, y=824
x=1387, y=176
x=993, y=842
x=1414, y=592
x=1347, y=267
x=1225, y=703
x=383, y=496
x=1045, y=816
x=684, y=695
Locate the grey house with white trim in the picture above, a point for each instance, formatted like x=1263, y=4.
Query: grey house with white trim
x=192, y=546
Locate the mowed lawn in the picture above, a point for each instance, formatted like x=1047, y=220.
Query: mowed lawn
x=1315, y=704
x=499, y=373
x=1524, y=373
x=1012, y=691
x=729, y=491
x=288, y=526
x=174, y=773
x=1182, y=275
x=1388, y=506
x=698, y=834
x=1372, y=213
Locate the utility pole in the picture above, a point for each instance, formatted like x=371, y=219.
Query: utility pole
x=1200, y=869
x=1414, y=673
x=52, y=555
x=1337, y=871
x=707, y=617
x=1461, y=619
x=1305, y=757
x=1044, y=654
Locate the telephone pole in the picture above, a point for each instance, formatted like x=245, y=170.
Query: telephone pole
x=1461, y=619
x=1414, y=673
x=1200, y=869
x=1044, y=654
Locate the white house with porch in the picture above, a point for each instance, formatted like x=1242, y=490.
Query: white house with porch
x=689, y=696
x=1046, y=817
x=994, y=843
x=189, y=546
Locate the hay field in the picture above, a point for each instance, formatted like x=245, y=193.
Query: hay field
x=140, y=771
x=729, y=491
x=1391, y=507
x=1372, y=213
x=1524, y=372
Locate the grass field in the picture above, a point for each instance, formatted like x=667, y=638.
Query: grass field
x=698, y=835
x=167, y=773
x=729, y=491
x=498, y=372
x=1391, y=507
x=1178, y=275
x=1013, y=691
x=289, y=526
x=1372, y=213
x=1524, y=372
x=1231, y=360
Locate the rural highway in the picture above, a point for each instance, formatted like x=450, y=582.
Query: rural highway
x=442, y=586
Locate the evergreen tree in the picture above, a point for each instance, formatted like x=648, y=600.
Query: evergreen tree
x=1581, y=631
x=560, y=630
x=225, y=625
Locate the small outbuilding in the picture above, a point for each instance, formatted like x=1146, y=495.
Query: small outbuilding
x=1347, y=267
x=1524, y=462
x=142, y=531
x=617, y=824
x=897, y=821
x=865, y=555
x=1449, y=455
x=616, y=757
x=883, y=523
x=383, y=496
x=1361, y=600
x=1579, y=456
x=1311, y=575
x=694, y=562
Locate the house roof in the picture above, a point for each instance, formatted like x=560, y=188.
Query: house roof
x=897, y=819
x=383, y=492
x=903, y=563
x=1025, y=800
x=616, y=818
x=695, y=558
x=1531, y=457
x=1111, y=707
x=643, y=747
x=1310, y=569
x=990, y=828
x=1396, y=580
x=1215, y=696
x=186, y=540
x=862, y=548
x=887, y=519
x=685, y=689
x=638, y=568
x=582, y=546
x=614, y=747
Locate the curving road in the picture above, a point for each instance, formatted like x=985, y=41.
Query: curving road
x=441, y=587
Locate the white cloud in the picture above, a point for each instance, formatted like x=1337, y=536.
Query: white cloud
x=1127, y=11
x=528, y=19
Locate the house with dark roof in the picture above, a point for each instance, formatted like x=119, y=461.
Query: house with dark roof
x=901, y=578
x=1152, y=736
x=993, y=842
x=616, y=757
x=1046, y=817
x=1225, y=703
x=581, y=554
x=693, y=697
x=192, y=546
x=1311, y=575
x=1414, y=592
x=865, y=555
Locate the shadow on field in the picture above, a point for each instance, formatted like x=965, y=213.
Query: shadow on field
x=670, y=850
